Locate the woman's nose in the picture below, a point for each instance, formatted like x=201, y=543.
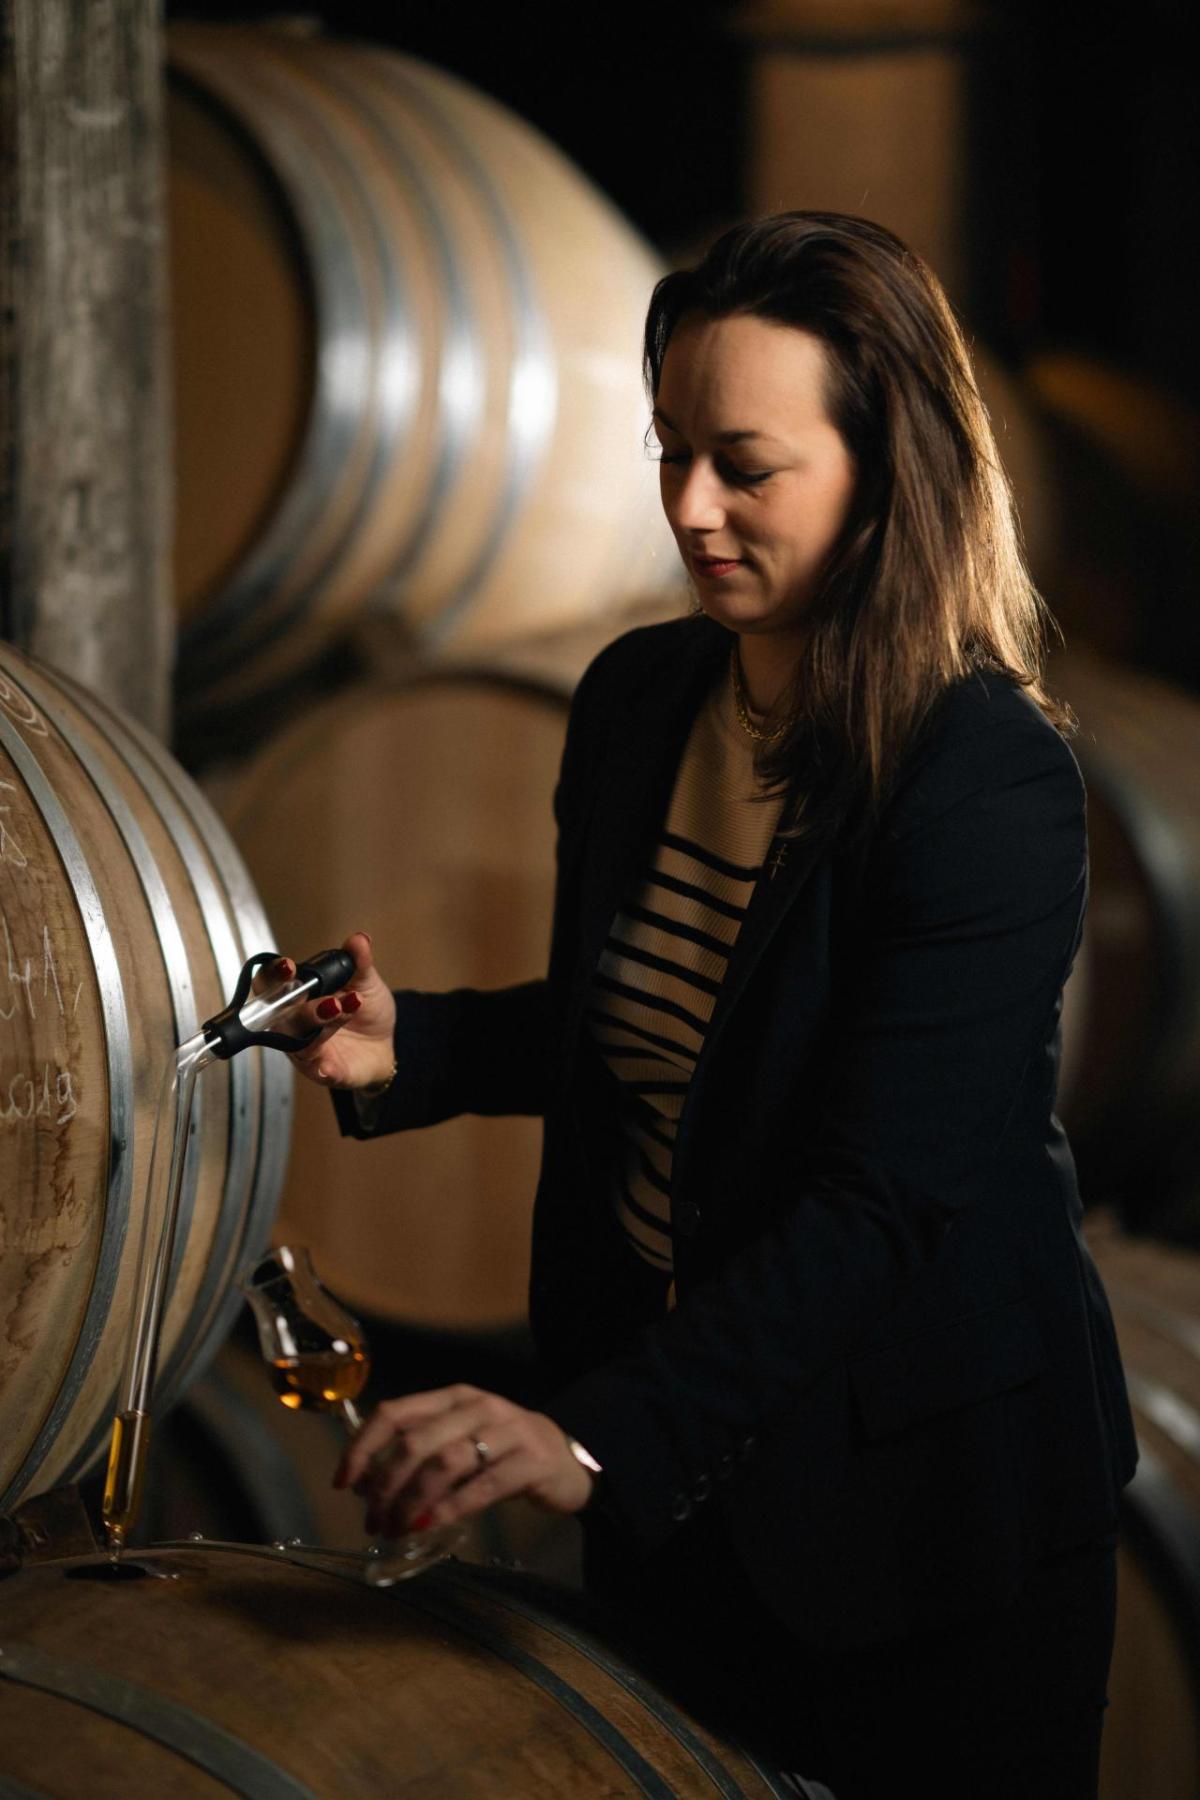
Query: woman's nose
x=695, y=502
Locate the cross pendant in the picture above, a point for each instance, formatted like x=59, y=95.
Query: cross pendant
x=778, y=860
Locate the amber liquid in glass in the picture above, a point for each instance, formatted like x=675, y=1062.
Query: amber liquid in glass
x=320, y=1380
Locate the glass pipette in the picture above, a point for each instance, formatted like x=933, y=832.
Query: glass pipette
x=239, y=1026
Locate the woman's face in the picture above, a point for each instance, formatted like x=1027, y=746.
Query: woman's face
x=755, y=480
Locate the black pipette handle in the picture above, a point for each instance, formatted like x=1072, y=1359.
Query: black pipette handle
x=225, y=1033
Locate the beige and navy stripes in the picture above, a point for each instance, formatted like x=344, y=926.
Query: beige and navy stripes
x=655, y=986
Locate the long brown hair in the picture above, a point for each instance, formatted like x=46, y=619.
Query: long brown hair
x=928, y=580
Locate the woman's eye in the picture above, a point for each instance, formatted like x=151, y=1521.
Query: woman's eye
x=748, y=477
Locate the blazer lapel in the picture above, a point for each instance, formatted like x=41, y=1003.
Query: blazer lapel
x=788, y=868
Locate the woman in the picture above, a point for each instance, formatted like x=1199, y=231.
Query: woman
x=836, y=1390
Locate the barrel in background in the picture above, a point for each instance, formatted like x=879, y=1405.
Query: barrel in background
x=1130, y=1086
x=408, y=364
x=1120, y=473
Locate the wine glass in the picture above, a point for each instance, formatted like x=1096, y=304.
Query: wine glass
x=318, y=1357
x=316, y=1351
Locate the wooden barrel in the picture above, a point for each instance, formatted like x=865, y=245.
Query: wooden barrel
x=125, y=914
x=1130, y=1090
x=436, y=833
x=407, y=344
x=270, y=1680
x=1152, y=1730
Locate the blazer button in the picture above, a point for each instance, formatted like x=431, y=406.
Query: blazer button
x=702, y=1487
x=725, y=1466
x=681, y=1507
x=687, y=1218
x=746, y=1446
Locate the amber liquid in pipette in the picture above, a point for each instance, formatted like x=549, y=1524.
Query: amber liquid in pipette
x=321, y=1380
x=125, y=1476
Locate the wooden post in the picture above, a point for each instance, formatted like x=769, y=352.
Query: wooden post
x=84, y=416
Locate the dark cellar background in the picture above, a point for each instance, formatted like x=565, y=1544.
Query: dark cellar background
x=1084, y=169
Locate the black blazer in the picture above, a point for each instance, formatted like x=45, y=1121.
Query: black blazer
x=892, y=1366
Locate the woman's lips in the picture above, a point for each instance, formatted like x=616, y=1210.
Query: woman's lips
x=715, y=565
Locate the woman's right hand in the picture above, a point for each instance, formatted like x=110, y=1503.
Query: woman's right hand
x=354, y=1049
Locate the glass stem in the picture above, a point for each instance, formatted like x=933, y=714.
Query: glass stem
x=352, y=1416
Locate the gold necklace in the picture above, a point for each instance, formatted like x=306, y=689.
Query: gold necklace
x=743, y=712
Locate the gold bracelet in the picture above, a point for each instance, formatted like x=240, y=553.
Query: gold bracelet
x=374, y=1090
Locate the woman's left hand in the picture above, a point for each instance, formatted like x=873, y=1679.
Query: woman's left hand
x=433, y=1458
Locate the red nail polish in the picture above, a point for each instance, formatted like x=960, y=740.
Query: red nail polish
x=423, y=1521
x=351, y=1002
x=327, y=1009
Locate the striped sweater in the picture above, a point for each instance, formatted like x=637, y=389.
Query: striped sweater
x=657, y=980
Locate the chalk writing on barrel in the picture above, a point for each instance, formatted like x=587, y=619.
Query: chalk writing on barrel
x=46, y=1094
x=21, y=975
x=21, y=708
x=10, y=849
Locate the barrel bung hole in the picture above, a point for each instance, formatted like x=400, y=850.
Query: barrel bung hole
x=109, y=1571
